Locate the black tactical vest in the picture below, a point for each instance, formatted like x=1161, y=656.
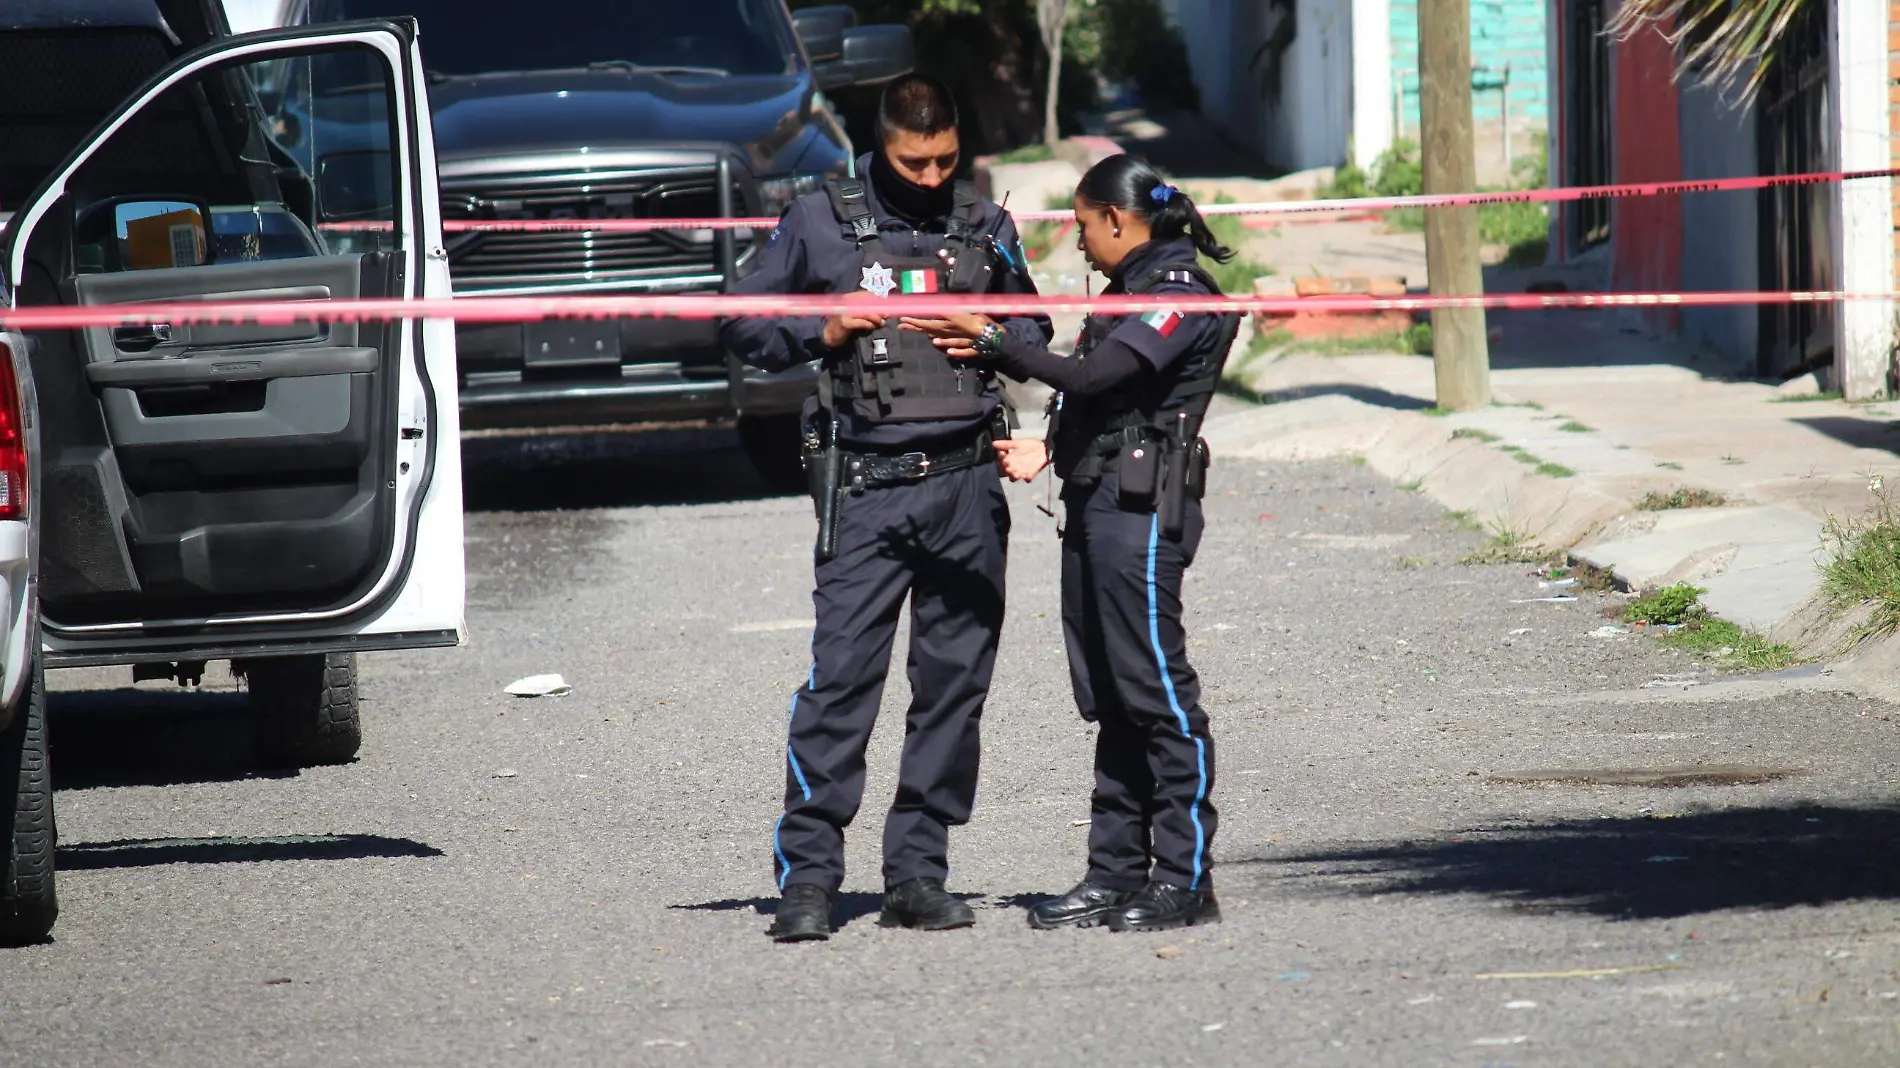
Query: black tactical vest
x=898, y=376
x=1087, y=435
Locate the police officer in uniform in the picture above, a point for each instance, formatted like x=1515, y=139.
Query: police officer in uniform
x=1125, y=435
x=910, y=503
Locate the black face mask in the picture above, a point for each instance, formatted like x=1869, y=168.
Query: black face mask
x=906, y=199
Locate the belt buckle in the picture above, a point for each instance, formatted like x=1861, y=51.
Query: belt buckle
x=915, y=465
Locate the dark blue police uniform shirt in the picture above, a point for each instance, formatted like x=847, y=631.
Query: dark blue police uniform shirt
x=811, y=252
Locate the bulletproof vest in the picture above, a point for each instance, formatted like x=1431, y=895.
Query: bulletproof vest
x=1089, y=433
x=898, y=376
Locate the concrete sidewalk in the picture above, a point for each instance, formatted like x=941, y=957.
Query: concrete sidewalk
x=1589, y=420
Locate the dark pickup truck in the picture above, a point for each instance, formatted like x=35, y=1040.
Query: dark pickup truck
x=607, y=109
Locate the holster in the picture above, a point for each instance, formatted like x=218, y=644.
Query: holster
x=1179, y=460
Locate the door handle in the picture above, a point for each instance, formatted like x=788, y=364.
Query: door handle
x=141, y=338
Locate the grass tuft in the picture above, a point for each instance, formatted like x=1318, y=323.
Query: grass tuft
x=1681, y=497
x=1669, y=465
x=1474, y=434
x=1575, y=427
x=1413, y=563
x=1551, y=470
x=1416, y=485
x=1802, y=398
x=1863, y=563
x=1668, y=606
x=1508, y=545
x=1732, y=646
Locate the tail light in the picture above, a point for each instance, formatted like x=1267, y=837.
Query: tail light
x=12, y=441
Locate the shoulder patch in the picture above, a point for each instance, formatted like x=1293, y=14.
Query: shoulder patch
x=1163, y=322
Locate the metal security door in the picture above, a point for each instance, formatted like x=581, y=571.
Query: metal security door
x=1793, y=131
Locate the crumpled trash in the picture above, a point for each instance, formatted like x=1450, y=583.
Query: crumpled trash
x=1557, y=584
x=1545, y=600
x=1610, y=630
x=539, y=686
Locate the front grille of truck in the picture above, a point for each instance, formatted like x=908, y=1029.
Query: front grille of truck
x=499, y=260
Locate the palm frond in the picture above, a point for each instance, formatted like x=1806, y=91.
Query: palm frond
x=1730, y=41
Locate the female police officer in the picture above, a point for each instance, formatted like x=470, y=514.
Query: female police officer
x=1125, y=438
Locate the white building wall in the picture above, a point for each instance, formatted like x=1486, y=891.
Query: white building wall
x=1863, y=222
x=1371, y=48
x=1316, y=114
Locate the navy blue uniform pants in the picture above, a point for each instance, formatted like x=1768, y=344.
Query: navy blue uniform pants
x=939, y=543
x=1154, y=758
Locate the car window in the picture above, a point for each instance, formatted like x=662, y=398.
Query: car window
x=244, y=161
x=729, y=36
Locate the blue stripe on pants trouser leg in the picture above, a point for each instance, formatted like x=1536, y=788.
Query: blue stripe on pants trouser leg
x=1152, y=816
x=939, y=544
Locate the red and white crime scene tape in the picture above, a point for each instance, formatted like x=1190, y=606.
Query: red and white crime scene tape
x=477, y=309
x=723, y=306
x=1276, y=207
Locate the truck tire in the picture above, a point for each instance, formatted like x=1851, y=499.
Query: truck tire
x=304, y=711
x=775, y=445
x=28, y=903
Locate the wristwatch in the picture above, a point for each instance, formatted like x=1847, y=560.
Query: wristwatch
x=990, y=341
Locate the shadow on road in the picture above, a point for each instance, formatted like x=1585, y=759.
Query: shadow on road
x=844, y=909
x=1646, y=868
x=608, y=470
x=133, y=737
x=149, y=852
x=1857, y=432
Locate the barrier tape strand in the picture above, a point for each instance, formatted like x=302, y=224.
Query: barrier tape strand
x=1277, y=207
x=703, y=307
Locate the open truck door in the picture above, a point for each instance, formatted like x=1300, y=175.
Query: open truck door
x=240, y=491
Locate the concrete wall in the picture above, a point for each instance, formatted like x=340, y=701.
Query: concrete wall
x=1859, y=83
x=1720, y=239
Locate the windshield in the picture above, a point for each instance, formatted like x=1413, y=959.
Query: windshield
x=723, y=36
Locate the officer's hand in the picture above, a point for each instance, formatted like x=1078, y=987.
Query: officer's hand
x=955, y=334
x=1022, y=458
x=840, y=329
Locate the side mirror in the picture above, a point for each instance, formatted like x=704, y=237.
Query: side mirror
x=871, y=55
x=143, y=233
x=356, y=185
x=821, y=31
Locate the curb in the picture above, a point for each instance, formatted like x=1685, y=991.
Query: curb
x=1462, y=474
x=1757, y=562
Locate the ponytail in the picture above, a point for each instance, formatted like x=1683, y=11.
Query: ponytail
x=1132, y=185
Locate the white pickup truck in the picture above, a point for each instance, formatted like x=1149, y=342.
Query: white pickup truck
x=173, y=493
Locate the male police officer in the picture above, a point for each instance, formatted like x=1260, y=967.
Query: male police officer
x=910, y=506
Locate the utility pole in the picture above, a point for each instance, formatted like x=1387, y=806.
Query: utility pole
x=1461, y=358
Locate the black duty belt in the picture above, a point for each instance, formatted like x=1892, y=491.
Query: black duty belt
x=869, y=470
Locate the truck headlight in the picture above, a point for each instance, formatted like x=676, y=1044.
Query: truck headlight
x=777, y=194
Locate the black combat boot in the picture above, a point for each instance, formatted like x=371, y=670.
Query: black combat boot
x=1084, y=906
x=1164, y=906
x=804, y=914
x=924, y=904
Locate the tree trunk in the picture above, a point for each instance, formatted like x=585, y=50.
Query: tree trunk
x=1051, y=17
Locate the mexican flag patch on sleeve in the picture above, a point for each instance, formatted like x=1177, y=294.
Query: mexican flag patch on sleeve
x=1163, y=322
x=918, y=281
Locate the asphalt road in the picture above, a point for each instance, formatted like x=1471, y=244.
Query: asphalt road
x=585, y=880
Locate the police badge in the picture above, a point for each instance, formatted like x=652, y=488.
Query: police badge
x=878, y=280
